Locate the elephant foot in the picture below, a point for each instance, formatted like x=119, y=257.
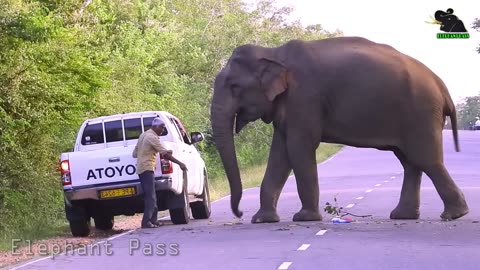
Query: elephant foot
x=307, y=215
x=405, y=213
x=265, y=217
x=451, y=213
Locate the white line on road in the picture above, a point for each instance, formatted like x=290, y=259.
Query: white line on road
x=304, y=247
x=32, y=262
x=359, y=198
x=393, y=177
x=377, y=185
x=368, y=190
x=386, y=181
x=284, y=265
x=350, y=205
x=119, y=235
x=321, y=232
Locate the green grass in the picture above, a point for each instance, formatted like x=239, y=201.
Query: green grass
x=252, y=177
x=42, y=232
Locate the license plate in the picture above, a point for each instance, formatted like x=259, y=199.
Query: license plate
x=116, y=193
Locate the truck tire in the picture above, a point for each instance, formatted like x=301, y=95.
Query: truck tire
x=78, y=220
x=104, y=222
x=80, y=228
x=202, y=209
x=181, y=215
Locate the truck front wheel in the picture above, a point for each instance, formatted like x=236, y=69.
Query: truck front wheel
x=180, y=215
x=202, y=209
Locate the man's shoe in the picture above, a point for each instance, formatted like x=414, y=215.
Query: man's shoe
x=158, y=223
x=148, y=226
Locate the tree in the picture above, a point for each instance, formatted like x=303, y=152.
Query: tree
x=467, y=111
x=476, y=26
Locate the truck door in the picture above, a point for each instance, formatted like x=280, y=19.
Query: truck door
x=185, y=156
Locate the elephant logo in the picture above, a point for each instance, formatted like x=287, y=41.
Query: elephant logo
x=450, y=24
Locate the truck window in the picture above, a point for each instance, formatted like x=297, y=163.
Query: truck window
x=183, y=131
x=113, y=131
x=92, y=134
x=133, y=128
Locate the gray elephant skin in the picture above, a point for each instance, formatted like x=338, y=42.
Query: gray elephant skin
x=344, y=90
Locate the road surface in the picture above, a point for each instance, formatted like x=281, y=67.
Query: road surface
x=367, y=181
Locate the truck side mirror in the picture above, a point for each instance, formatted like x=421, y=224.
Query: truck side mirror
x=196, y=137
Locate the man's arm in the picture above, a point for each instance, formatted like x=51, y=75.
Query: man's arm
x=167, y=153
x=155, y=142
x=135, y=151
x=170, y=157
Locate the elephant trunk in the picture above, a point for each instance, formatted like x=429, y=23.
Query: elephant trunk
x=222, y=118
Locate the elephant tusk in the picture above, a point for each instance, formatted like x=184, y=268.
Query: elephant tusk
x=433, y=21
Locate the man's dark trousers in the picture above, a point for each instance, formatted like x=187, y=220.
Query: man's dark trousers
x=150, y=213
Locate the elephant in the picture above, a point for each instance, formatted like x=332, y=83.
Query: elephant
x=343, y=90
x=449, y=22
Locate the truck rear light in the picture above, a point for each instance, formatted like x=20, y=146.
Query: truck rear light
x=65, y=173
x=167, y=167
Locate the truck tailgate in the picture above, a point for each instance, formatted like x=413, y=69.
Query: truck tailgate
x=108, y=165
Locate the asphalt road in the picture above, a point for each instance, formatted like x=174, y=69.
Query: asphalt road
x=366, y=181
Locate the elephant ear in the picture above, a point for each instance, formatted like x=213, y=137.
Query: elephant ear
x=273, y=76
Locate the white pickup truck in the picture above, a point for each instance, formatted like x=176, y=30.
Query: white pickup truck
x=99, y=176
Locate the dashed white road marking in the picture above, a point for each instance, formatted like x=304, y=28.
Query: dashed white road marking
x=377, y=185
x=321, y=232
x=368, y=190
x=350, y=205
x=393, y=177
x=304, y=247
x=386, y=181
x=284, y=265
x=359, y=198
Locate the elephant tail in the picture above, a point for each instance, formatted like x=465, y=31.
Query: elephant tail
x=453, y=119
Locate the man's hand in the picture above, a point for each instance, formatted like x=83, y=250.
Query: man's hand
x=183, y=167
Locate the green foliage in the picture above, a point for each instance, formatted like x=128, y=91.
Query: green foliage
x=333, y=209
x=467, y=111
x=62, y=62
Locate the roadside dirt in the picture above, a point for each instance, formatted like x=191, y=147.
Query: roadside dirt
x=67, y=242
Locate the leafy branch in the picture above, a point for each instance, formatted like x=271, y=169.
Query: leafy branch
x=337, y=211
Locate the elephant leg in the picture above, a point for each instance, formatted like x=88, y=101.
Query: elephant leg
x=409, y=205
x=276, y=174
x=302, y=158
x=453, y=199
x=426, y=153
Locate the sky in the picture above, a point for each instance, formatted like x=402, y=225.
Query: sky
x=401, y=24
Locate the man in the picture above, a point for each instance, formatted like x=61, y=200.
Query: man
x=477, y=123
x=148, y=145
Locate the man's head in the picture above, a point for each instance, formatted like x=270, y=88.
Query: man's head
x=158, y=126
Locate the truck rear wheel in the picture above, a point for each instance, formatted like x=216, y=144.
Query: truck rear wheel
x=78, y=219
x=104, y=222
x=79, y=228
x=181, y=215
x=202, y=209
